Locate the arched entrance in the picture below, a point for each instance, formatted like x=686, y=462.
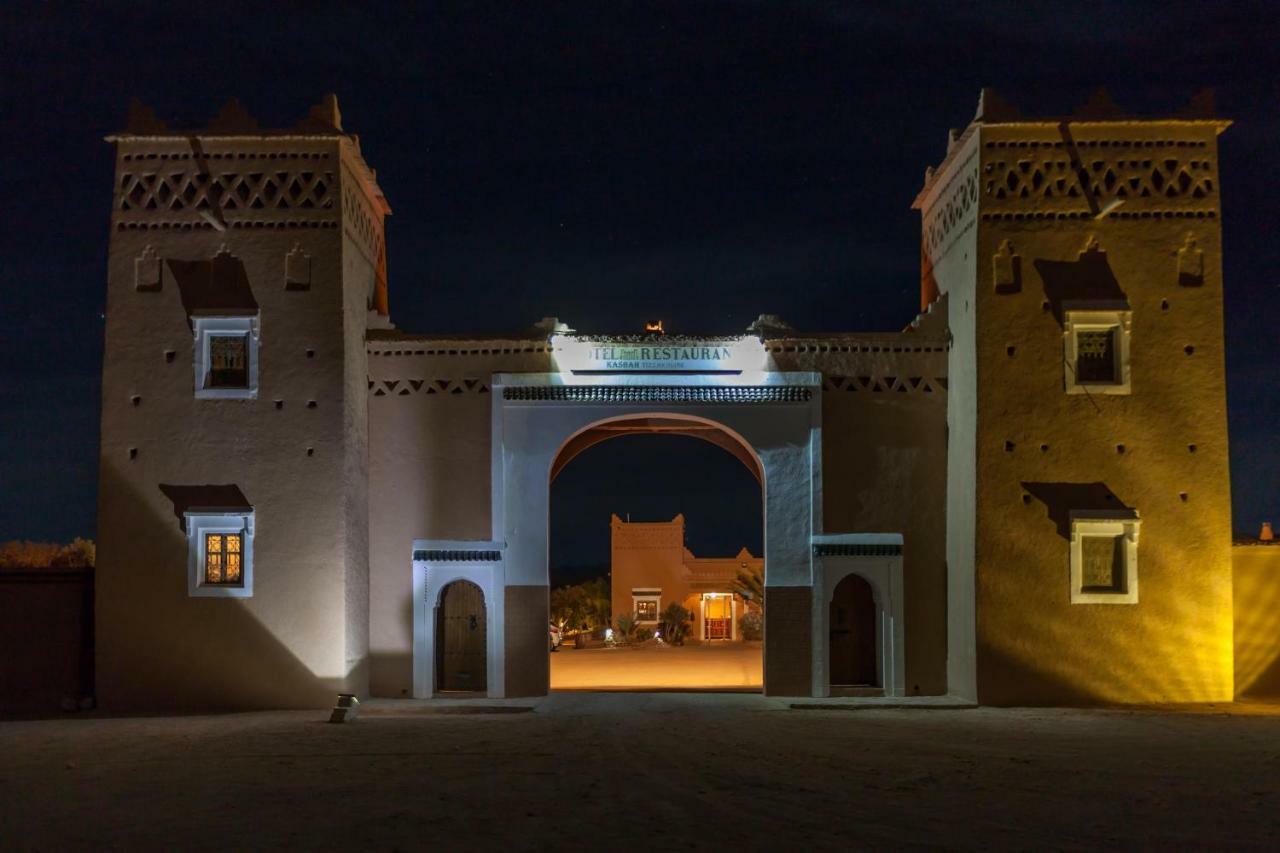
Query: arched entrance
x=461, y=638
x=669, y=513
x=852, y=629
x=772, y=419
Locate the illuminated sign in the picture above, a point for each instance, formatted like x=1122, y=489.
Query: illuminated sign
x=656, y=355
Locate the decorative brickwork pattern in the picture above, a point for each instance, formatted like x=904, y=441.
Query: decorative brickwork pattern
x=1087, y=176
x=172, y=191
x=856, y=550
x=410, y=387
x=362, y=223
x=664, y=535
x=954, y=210
x=456, y=556
x=881, y=384
x=660, y=394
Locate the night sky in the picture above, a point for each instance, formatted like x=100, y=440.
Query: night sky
x=608, y=163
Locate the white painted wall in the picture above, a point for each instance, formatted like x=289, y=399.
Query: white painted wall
x=884, y=573
x=953, y=264
x=430, y=577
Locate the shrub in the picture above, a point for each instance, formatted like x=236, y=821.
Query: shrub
x=751, y=626
x=675, y=623
x=583, y=606
x=643, y=633
x=625, y=625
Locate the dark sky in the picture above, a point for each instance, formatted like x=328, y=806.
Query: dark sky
x=607, y=162
x=651, y=478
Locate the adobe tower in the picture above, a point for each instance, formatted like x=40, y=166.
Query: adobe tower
x=1079, y=260
x=245, y=268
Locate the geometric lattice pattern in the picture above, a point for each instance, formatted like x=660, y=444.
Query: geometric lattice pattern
x=360, y=221
x=1048, y=178
x=955, y=208
x=258, y=190
x=886, y=384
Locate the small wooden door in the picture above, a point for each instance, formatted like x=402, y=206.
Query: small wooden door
x=853, y=634
x=461, y=647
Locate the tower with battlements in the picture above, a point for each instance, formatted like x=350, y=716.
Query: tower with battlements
x=1078, y=260
x=245, y=267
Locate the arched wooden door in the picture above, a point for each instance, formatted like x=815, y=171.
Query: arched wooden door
x=853, y=634
x=461, y=647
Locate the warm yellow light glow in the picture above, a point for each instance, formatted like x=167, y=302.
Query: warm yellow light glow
x=708, y=666
x=1257, y=626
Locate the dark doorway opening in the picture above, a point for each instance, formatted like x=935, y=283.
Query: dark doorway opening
x=853, y=634
x=461, y=639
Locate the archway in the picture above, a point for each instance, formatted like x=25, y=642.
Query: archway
x=652, y=519
x=852, y=630
x=775, y=417
x=461, y=638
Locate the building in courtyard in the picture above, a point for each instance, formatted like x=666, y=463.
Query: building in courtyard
x=1019, y=497
x=650, y=568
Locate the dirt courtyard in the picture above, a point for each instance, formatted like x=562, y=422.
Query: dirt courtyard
x=718, y=666
x=643, y=771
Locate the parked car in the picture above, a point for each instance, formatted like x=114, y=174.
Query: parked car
x=557, y=636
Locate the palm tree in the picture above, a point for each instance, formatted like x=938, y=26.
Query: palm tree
x=750, y=585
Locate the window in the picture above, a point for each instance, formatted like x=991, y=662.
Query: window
x=226, y=357
x=1096, y=351
x=1096, y=356
x=228, y=361
x=222, y=557
x=1104, y=558
x=220, y=552
x=645, y=604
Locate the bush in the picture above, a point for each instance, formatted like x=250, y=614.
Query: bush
x=643, y=633
x=675, y=623
x=625, y=626
x=751, y=626
x=583, y=606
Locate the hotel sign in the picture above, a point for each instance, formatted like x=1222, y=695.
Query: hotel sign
x=719, y=355
x=660, y=357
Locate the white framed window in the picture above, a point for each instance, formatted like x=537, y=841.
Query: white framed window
x=646, y=604
x=220, y=553
x=1096, y=351
x=1104, y=557
x=226, y=357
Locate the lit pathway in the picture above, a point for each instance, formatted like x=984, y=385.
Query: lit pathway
x=716, y=666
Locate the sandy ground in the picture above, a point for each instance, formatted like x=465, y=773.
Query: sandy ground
x=637, y=771
x=720, y=666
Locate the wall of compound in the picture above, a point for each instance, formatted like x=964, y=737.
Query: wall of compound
x=884, y=466
x=1256, y=593
x=430, y=413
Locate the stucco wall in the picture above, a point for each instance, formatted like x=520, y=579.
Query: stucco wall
x=1160, y=450
x=647, y=555
x=1256, y=593
x=949, y=228
x=46, y=631
x=430, y=413
x=884, y=446
x=884, y=465
x=299, y=638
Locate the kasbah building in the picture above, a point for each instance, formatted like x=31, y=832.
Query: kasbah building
x=1029, y=482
